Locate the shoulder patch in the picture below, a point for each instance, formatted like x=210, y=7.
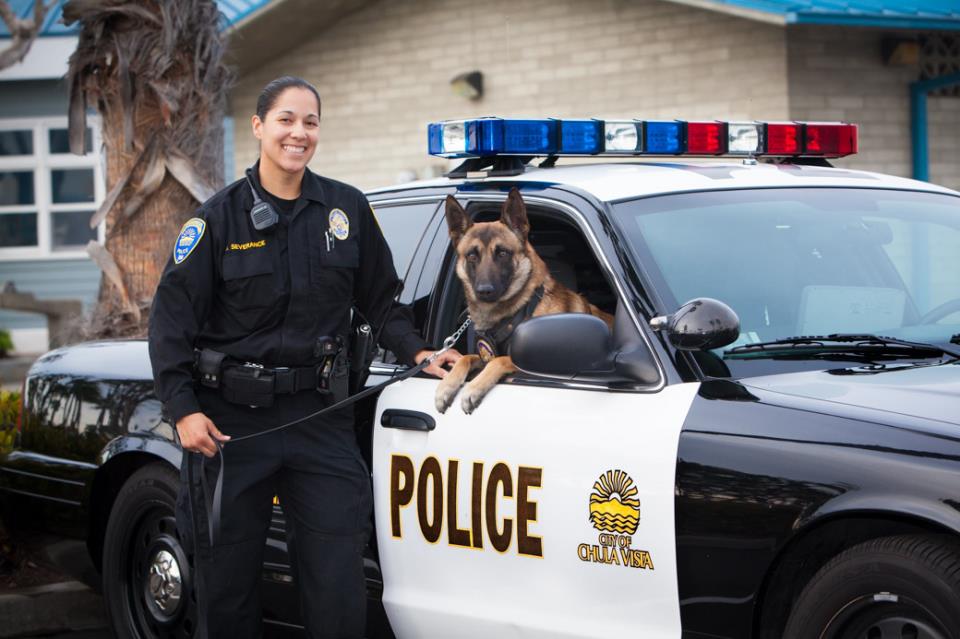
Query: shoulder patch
x=188, y=239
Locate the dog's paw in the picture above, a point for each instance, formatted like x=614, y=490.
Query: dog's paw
x=471, y=397
x=444, y=396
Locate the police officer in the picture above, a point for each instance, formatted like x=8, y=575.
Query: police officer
x=264, y=298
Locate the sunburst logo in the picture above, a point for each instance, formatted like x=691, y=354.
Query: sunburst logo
x=614, y=506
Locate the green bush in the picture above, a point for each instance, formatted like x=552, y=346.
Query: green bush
x=6, y=342
x=9, y=407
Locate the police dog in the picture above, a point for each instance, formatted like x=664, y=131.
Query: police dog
x=502, y=275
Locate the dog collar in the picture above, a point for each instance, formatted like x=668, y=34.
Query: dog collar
x=494, y=341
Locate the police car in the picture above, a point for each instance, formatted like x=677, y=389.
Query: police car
x=766, y=445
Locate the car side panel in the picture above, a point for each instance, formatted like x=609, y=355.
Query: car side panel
x=753, y=474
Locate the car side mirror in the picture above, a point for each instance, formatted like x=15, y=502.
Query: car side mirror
x=701, y=324
x=563, y=345
x=580, y=346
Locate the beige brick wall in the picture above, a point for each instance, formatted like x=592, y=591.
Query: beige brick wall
x=384, y=72
x=837, y=73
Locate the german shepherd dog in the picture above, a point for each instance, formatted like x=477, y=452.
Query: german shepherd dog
x=504, y=282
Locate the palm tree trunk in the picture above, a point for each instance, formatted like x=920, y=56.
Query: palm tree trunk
x=153, y=71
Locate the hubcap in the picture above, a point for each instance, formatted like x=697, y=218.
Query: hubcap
x=901, y=628
x=164, y=577
x=163, y=582
x=884, y=616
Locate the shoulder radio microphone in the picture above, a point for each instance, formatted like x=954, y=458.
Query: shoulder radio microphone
x=262, y=215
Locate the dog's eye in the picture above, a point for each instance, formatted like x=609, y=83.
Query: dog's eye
x=473, y=256
x=502, y=252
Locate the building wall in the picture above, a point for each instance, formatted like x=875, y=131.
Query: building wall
x=384, y=73
x=837, y=73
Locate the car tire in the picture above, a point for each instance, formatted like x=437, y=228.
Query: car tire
x=893, y=587
x=146, y=571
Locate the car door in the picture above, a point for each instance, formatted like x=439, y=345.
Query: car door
x=548, y=512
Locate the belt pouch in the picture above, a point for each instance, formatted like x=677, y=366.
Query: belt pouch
x=209, y=364
x=248, y=385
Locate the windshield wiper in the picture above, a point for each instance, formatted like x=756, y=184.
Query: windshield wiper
x=849, y=344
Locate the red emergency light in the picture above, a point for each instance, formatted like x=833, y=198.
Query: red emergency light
x=707, y=138
x=830, y=140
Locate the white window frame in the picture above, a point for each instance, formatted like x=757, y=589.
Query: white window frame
x=41, y=163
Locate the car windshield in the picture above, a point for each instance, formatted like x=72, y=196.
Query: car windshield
x=805, y=261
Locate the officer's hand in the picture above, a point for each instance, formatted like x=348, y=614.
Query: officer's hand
x=438, y=368
x=197, y=433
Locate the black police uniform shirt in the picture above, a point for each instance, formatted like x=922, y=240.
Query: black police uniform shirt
x=266, y=297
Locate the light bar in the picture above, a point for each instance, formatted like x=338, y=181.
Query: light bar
x=492, y=137
x=663, y=138
x=707, y=138
x=745, y=138
x=783, y=138
x=830, y=139
x=623, y=136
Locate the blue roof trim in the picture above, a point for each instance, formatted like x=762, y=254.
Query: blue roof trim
x=924, y=24
x=893, y=14
x=233, y=12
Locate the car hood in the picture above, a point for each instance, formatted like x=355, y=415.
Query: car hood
x=928, y=392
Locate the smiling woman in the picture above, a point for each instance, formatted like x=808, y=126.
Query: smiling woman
x=263, y=283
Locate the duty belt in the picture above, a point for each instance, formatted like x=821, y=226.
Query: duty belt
x=256, y=385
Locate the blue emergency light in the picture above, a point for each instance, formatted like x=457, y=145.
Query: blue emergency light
x=492, y=137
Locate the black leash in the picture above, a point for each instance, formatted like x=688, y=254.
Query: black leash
x=213, y=505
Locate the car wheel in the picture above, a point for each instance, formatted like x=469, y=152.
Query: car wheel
x=905, y=587
x=146, y=573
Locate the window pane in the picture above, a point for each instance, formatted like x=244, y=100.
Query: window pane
x=72, y=230
x=402, y=226
x=72, y=185
x=16, y=142
x=60, y=141
x=16, y=187
x=18, y=229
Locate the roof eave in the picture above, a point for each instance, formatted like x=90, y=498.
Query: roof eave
x=761, y=13
x=888, y=22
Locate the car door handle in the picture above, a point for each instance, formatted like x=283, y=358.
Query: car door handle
x=407, y=420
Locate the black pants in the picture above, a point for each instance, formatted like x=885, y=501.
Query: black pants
x=324, y=489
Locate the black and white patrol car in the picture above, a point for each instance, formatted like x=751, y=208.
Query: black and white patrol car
x=787, y=468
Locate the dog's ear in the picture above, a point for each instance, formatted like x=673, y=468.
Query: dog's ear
x=514, y=214
x=457, y=220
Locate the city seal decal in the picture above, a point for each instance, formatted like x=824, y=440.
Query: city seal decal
x=339, y=224
x=615, y=511
x=188, y=239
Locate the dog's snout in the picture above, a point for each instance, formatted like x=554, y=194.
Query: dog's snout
x=485, y=291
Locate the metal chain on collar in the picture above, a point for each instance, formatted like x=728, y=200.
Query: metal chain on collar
x=452, y=339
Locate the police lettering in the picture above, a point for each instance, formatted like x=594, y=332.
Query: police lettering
x=429, y=489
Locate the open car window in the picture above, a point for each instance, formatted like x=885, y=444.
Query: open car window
x=559, y=242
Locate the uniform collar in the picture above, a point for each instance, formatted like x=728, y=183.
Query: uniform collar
x=310, y=186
